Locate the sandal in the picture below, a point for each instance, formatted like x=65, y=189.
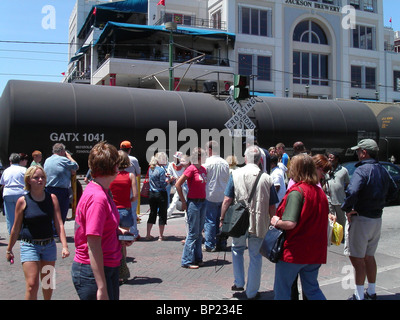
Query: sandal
x=190, y=266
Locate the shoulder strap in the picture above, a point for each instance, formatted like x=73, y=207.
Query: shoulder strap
x=254, y=186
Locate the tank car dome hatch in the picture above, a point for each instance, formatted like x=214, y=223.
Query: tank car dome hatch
x=389, y=126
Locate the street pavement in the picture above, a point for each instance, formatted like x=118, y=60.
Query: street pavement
x=156, y=273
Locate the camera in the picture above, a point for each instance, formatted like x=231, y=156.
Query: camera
x=126, y=237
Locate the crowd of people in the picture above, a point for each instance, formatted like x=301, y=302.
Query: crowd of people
x=299, y=194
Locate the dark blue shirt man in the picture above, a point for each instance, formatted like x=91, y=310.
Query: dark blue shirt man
x=369, y=188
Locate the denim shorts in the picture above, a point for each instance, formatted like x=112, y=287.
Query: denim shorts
x=125, y=217
x=35, y=252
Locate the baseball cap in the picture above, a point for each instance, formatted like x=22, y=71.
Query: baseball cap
x=125, y=145
x=366, y=144
x=178, y=155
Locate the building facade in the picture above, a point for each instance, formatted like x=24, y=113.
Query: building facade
x=296, y=48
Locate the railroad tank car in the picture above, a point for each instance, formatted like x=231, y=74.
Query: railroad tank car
x=35, y=115
x=389, y=127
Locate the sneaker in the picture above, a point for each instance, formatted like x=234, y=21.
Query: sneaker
x=368, y=296
x=235, y=288
x=190, y=266
x=353, y=297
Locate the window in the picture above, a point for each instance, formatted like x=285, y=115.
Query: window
x=370, y=78
x=263, y=66
x=363, y=77
x=355, y=4
x=364, y=37
x=245, y=64
x=309, y=32
x=356, y=77
x=216, y=20
x=310, y=68
x=178, y=18
x=256, y=22
x=364, y=5
x=369, y=5
x=396, y=80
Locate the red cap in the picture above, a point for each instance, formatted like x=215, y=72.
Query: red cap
x=125, y=145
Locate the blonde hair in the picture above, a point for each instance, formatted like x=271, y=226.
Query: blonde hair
x=197, y=156
x=160, y=158
x=302, y=168
x=232, y=161
x=153, y=162
x=29, y=174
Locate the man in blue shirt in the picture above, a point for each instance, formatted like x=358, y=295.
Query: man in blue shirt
x=59, y=168
x=369, y=188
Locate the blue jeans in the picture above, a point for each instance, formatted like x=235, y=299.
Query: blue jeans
x=285, y=274
x=254, y=271
x=211, y=224
x=196, y=212
x=85, y=283
x=134, y=230
x=9, y=210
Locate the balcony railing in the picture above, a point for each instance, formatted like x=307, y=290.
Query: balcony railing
x=194, y=22
x=207, y=60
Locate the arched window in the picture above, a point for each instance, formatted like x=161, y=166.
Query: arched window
x=310, y=32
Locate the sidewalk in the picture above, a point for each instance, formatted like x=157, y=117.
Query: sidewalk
x=156, y=273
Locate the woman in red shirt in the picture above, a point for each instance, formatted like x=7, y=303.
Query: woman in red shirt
x=195, y=175
x=124, y=192
x=303, y=213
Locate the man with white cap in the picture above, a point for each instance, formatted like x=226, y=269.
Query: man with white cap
x=369, y=188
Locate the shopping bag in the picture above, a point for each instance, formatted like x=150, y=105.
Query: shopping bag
x=337, y=234
x=145, y=190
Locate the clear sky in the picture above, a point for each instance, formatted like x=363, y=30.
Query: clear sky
x=34, y=38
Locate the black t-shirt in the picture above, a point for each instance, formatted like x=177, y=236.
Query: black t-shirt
x=38, y=218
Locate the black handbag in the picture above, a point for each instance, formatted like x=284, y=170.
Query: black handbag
x=236, y=219
x=272, y=245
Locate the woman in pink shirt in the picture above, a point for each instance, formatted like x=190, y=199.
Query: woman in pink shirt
x=95, y=270
x=195, y=175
